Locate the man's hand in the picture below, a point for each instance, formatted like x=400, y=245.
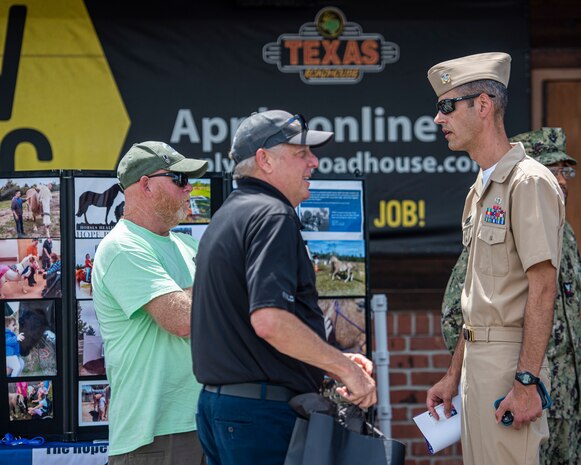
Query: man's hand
x=363, y=390
x=290, y=336
x=523, y=402
x=442, y=392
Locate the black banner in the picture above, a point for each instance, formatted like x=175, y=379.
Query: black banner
x=188, y=74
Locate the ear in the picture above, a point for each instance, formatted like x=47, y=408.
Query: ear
x=485, y=104
x=264, y=161
x=144, y=184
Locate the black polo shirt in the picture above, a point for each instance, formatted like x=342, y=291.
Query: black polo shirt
x=252, y=256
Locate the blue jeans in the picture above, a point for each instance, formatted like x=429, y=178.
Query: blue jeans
x=239, y=431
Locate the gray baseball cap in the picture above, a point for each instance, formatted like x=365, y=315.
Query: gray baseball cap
x=148, y=157
x=273, y=127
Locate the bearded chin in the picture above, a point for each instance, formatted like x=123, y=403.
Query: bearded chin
x=182, y=214
x=171, y=211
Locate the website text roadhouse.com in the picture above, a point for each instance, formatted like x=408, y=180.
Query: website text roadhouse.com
x=365, y=163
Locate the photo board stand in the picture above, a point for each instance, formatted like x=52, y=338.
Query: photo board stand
x=54, y=383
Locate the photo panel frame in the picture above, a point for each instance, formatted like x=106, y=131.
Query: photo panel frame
x=333, y=211
x=94, y=398
x=99, y=205
x=90, y=350
x=30, y=207
x=200, y=210
x=194, y=230
x=31, y=400
x=26, y=276
x=340, y=267
x=85, y=250
x=31, y=339
x=346, y=323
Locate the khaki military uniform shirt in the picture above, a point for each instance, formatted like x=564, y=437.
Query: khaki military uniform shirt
x=514, y=222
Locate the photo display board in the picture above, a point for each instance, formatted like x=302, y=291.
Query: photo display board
x=99, y=205
x=31, y=294
x=53, y=364
x=334, y=230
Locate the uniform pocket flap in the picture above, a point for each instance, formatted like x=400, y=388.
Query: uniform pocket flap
x=492, y=235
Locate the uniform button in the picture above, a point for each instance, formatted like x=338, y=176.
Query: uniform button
x=490, y=237
x=230, y=429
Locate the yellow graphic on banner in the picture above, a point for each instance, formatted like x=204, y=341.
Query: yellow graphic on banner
x=401, y=214
x=59, y=105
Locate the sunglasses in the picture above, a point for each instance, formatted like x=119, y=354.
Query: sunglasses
x=286, y=130
x=300, y=118
x=179, y=179
x=448, y=105
x=568, y=172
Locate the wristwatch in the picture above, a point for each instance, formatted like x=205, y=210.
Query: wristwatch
x=526, y=378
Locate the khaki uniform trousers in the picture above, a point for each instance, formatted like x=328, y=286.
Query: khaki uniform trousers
x=488, y=374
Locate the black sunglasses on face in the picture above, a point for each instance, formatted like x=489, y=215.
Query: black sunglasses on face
x=448, y=105
x=179, y=179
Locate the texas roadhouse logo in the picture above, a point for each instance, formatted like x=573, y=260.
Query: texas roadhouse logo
x=331, y=50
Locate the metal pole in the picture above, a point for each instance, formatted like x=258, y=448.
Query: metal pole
x=381, y=358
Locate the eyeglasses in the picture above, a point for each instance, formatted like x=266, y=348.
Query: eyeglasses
x=567, y=172
x=448, y=105
x=179, y=179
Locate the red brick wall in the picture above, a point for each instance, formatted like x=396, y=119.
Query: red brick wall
x=418, y=359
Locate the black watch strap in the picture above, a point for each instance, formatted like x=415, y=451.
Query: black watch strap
x=526, y=378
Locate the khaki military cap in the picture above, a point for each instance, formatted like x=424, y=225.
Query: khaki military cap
x=546, y=145
x=447, y=75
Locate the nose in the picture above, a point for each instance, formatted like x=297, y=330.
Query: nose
x=561, y=179
x=313, y=161
x=188, y=188
x=439, y=118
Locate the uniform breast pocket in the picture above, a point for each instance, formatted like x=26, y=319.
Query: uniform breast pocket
x=491, y=257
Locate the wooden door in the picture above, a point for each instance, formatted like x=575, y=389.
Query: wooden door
x=557, y=103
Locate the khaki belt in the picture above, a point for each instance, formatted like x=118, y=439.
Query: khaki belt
x=253, y=391
x=492, y=334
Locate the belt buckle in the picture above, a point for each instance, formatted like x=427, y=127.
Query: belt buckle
x=468, y=334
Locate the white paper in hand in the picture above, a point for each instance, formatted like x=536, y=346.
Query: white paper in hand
x=444, y=432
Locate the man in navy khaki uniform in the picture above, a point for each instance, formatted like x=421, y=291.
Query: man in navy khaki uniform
x=547, y=146
x=258, y=335
x=512, y=227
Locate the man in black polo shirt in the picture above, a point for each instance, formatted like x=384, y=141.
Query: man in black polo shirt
x=258, y=335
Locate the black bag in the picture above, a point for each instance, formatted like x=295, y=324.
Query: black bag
x=321, y=440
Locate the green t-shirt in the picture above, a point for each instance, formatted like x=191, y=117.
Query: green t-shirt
x=153, y=389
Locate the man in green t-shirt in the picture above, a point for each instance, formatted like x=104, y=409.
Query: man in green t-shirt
x=142, y=290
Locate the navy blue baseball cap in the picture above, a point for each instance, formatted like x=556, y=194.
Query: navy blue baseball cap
x=273, y=127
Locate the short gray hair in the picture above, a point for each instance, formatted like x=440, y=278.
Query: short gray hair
x=248, y=166
x=492, y=87
x=245, y=168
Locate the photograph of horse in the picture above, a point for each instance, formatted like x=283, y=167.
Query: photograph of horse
x=16, y=265
x=30, y=400
x=105, y=199
x=40, y=207
x=36, y=324
x=347, y=318
x=17, y=273
x=339, y=267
